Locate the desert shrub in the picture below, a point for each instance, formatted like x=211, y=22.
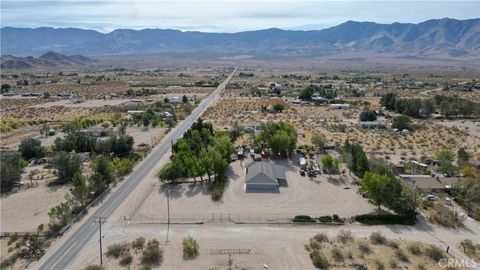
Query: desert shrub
x=385, y=219
x=117, y=250
x=336, y=218
x=345, y=236
x=216, y=190
x=10, y=261
x=393, y=264
x=13, y=238
x=364, y=248
x=139, y=243
x=379, y=265
x=414, y=249
x=434, y=253
x=468, y=246
x=94, y=267
x=401, y=256
x=337, y=255
x=421, y=267
x=126, y=260
x=446, y=217
x=303, y=218
x=190, y=247
x=393, y=244
x=318, y=260
x=378, y=238
x=321, y=237
x=152, y=255
x=325, y=219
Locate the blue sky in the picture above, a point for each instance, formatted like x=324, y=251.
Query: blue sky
x=223, y=16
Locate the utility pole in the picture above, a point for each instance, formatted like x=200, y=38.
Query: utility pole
x=100, y=220
x=168, y=204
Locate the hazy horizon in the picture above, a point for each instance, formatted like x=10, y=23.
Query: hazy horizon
x=235, y=16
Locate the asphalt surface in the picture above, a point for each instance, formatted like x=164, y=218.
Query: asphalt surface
x=66, y=253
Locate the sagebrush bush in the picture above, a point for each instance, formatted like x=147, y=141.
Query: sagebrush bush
x=190, y=247
x=117, y=250
x=377, y=238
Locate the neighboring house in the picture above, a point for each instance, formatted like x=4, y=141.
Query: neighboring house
x=340, y=106
x=371, y=124
x=264, y=176
x=174, y=100
x=429, y=182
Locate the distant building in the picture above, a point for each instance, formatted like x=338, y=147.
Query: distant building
x=429, y=182
x=340, y=106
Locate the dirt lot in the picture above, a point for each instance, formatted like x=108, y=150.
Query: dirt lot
x=146, y=136
x=316, y=196
x=25, y=210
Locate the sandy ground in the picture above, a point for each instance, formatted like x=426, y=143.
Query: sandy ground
x=146, y=136
x=304, y=195
x=278, y=246
x=25, y=210
x=471, y=126
x=86, y=104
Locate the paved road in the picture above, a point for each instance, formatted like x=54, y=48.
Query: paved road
x=72, y=246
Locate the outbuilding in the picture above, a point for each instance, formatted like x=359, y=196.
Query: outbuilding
x=264, y=176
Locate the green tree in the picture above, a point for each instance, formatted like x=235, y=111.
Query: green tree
x=184, y=99
x=67, y=166
x=330, y=164
x=45, y=129
x=319, y=140
x=79, y=189
x=368, y=116
x=31, y=148
x=278, y=107
x=11, y=166
x=375, y=186
x=60, y=216
x=5, y=88
x=170, y=172
x=97, y=184
x=104, y=167
x=463, y=156
x=388, y=101
x=401, y=122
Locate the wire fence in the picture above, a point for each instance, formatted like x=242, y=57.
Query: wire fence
x=199, y=218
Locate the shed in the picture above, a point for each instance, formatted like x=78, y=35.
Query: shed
x=264, y=176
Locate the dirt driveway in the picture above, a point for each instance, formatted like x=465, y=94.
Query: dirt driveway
x=303, y=195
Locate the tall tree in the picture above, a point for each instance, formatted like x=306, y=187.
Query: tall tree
x=80, y=189
x=31, y=148
x=67, y=166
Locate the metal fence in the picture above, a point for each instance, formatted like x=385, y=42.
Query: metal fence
x=201, y=218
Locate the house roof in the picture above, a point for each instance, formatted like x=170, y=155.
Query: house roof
x=264, y=173
x=429, y=182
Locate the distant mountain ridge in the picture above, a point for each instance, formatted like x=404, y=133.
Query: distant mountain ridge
x=439, y=37
x=49, y=59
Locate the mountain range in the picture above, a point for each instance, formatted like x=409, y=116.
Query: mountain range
x=47, y=60
x=446, y=37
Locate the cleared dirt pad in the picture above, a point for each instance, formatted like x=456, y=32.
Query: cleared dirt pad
x=317, y=196
x=25, y=210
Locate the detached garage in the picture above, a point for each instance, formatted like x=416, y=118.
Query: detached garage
x=264, y=176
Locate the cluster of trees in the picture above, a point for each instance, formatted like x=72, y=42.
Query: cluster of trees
x=381, y=187
x=83, y=189
x=82, y=142
x=11, y=167
x=281, y=137
x=368, y=115
x=419, y=108
x=467, y=191
x=355, y=157
x=200, y=151
x=326, y=91
x=402, y=122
